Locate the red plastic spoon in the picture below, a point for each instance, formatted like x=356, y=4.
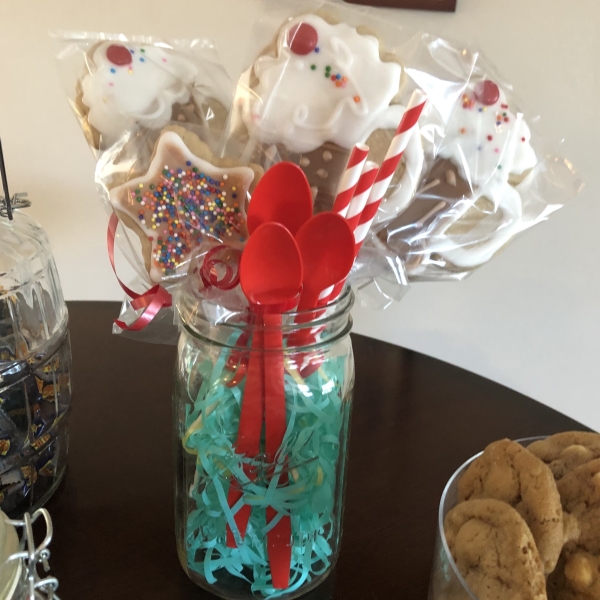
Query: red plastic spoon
x=282, y=196
x=271, y=279
x=326, y=244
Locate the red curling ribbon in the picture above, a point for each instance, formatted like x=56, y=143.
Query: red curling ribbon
x=151, y=300
x=219, y=272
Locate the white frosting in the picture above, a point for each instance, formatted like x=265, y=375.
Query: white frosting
x=301, y=107
x=142, y=91
x=482, y=242
x=477, y=137
x=487, y=237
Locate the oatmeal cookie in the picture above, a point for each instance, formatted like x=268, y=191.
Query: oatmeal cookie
x=566, y=451
x=506, y=471
x=494, y=550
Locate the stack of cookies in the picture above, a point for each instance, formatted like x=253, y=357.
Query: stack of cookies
x=527, y=522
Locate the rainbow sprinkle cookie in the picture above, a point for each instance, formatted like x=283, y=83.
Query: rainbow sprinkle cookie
x=181, y=200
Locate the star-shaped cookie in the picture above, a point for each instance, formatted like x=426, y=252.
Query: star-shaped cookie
x=179, y=201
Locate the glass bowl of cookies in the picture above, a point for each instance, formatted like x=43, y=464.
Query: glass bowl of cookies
x=521, y=520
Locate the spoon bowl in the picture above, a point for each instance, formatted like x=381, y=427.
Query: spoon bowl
x=282, y=196
x=326, y=245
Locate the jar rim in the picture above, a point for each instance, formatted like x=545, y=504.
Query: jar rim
x=195, y=313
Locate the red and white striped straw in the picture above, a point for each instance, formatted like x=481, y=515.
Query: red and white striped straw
x=361, y=193
x=349, y=179
x=382, y=180
x=389, y=165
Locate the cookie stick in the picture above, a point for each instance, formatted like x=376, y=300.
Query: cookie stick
x=361, y=193
x=350, y=179
x=357, y=204
x=386, y=172
x=390, y=163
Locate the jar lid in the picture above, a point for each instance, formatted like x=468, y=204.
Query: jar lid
x=10, y=571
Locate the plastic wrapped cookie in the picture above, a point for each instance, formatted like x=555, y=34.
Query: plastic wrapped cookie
x=185, y=196
x=130, y=84
x=469, y=204
x=320, y=88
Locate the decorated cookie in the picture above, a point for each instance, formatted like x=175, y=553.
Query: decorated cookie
x=321, y=89
x=506, y=471
x=576, y=577
x=479, y=133
x=462, y=216
x=564, y=452
x=495, y=551
x=181, y=200
x=130, y=84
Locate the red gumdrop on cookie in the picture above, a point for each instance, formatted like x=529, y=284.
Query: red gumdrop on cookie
x=118, y=55
x=487, y=92
x=302, y=39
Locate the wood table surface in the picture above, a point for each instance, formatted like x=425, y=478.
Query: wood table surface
x=415, y=420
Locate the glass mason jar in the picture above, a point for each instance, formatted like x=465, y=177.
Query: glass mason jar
x=446, y=580
x=35, y=365
x=257, y=514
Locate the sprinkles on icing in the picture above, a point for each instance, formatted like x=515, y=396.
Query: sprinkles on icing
x=479, y=132
x=327, y=83
x=183, y=206
x=182, y=200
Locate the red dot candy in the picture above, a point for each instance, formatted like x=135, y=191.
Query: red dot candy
x=487, y=92
x=118, y=55
x=302, y=39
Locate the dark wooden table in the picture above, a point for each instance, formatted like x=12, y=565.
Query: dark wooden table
x=415, y=420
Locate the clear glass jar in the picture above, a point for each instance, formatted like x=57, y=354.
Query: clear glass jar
x=301, y=488
x=35, y=365
x=446, y=581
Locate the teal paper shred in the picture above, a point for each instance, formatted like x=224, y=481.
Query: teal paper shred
x=310, y=451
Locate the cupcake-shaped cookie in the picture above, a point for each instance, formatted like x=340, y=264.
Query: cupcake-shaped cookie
x=468, y=207
x=318, y=90
x=130, y=84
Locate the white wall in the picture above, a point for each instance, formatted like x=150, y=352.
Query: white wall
x=529, y=319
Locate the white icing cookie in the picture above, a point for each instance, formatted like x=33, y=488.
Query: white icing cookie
x=326, y=84
x=132, y=83
x=180, y=200
x=479, y=245
x=479, y=132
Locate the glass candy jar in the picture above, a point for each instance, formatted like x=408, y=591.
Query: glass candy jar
x=35, y=363
x=261, y=523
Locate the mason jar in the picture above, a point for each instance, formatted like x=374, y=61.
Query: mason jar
x=35, y=367
x=256, y=514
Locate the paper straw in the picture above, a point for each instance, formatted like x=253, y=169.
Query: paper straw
x=357, y=204
x=389, y=165
x=350, y=178
x=384, y=177
x=361, y=193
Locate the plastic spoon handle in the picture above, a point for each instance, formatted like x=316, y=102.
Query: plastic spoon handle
x=248, y=441
x=279, y=545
